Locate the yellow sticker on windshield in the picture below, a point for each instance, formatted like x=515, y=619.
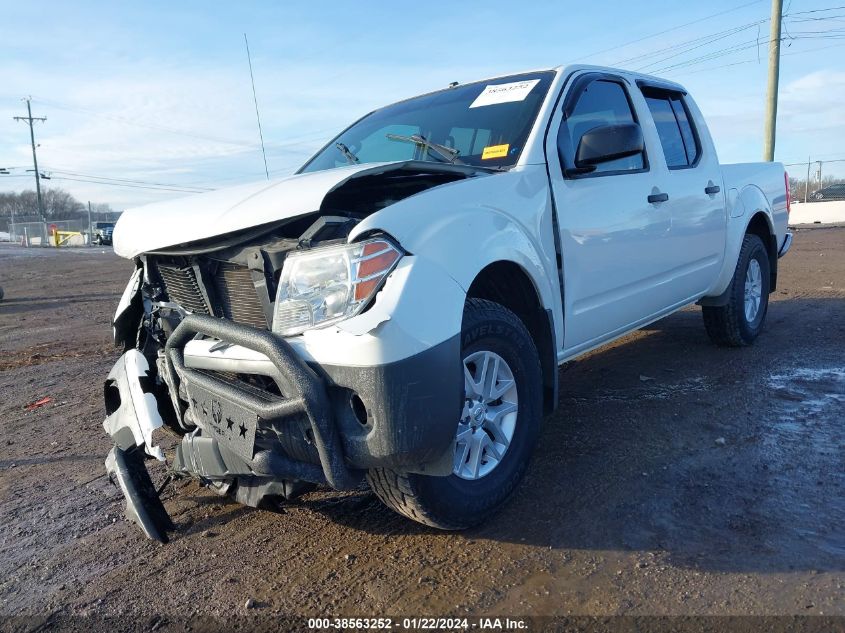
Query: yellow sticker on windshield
x=495, y=151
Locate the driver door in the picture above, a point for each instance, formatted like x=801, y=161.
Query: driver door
x=614, y=229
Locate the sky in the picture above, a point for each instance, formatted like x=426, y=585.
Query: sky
x=152, y=100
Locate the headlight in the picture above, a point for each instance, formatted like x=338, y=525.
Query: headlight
x=327, y=285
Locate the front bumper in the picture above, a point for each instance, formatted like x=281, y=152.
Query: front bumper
x=787, y=243
x=327, y=424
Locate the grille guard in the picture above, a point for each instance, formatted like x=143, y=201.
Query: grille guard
x=304, y=392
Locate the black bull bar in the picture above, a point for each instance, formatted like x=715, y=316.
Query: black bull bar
x=303, y=393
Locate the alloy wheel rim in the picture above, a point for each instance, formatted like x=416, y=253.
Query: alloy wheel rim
x=753, y=290
x=489, y=416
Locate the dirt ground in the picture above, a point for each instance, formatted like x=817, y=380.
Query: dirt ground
x=676, y=478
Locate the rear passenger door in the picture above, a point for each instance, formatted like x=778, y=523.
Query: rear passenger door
x=693, y=182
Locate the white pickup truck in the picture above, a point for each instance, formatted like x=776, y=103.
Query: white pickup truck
x=396, y=311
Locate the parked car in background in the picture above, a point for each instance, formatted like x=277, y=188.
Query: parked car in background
x=103, y=233
x=396, y=311
x=831, y=192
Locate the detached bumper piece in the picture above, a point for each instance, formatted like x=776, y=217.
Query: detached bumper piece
x=132, y=416
x=143, y=506
x=235, y=419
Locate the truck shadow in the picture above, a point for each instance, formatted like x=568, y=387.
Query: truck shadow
x=724, y=459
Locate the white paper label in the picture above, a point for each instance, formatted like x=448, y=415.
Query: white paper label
x=504, y=93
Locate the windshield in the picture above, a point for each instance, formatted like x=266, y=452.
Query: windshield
x=483, y=124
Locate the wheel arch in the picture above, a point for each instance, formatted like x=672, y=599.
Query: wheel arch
x=759, y=222
x=507, y=283
x=760, y=225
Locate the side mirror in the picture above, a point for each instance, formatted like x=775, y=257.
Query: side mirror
x=608, y=142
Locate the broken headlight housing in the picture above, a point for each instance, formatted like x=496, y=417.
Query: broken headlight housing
x=326, y=285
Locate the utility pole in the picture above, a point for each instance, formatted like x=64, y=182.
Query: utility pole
x=31, y=121
x=90, y=227
x=807, y=186
x=772, y=90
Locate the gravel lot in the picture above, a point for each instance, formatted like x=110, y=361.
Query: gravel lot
x=676, y=478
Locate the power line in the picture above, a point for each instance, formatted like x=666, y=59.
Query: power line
x=741, y=46
x=751, y=61
x=817, y=10
x=710, y=36
x=840, y=160
x=723, y=35
x=127, y=185
x=699, y=42
x=708, y=56
x=674, y=28
x=297, y=140
x=126, y=180
x=827, y=18
x=150, y=126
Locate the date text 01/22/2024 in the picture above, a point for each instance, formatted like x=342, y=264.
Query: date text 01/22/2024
x=419, y=624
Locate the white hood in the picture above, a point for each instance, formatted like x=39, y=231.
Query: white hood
x=164, y=224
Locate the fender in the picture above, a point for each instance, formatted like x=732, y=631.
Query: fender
x=750, y=203
x=464, y=226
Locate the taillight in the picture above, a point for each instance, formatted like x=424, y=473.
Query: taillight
x=788, y=197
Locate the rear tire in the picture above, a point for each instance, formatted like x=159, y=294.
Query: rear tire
x=741, y=320
x=495, y=436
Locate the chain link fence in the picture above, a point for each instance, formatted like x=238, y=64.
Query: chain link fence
x=32, y=232
x=29, y=233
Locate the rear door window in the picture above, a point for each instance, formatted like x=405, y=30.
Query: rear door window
x=674, y=127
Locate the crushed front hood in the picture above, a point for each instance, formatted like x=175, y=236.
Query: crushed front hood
x=184, y=220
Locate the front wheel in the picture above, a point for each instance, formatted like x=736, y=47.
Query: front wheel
x=740, y=321
x=496, y=431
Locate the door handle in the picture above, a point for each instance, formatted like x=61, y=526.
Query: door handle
x=658, y=197
x=712, y=189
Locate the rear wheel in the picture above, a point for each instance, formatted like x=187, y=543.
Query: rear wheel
x=740, y=321
x=495, y=435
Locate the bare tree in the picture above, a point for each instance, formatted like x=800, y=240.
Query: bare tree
x=58, y=205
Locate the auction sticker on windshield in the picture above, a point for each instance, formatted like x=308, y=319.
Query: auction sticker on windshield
x=494, y=151
x=504, y=93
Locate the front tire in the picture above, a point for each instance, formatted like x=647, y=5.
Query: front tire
x=495, y=435
x=741, y=320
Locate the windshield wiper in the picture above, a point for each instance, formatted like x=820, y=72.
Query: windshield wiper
x=449, y=154
x=343, y=149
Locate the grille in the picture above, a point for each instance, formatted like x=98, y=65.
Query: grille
x=237, y=295
x=180, y=283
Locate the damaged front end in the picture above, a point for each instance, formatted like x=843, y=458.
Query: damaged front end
x=209, y=360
